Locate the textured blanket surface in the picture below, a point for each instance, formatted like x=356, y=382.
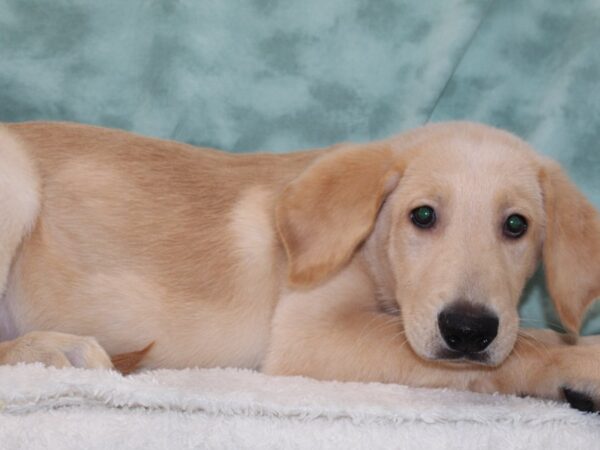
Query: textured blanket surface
x=46, y=408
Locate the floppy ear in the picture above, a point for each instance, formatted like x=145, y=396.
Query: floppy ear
x=571, y=250
x=330, y=209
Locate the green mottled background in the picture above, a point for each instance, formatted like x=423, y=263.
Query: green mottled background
x=279, y=75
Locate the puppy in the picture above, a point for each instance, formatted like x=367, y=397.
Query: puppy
x=397, y=261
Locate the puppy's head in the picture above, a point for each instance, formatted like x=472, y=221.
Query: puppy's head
x=451, y=220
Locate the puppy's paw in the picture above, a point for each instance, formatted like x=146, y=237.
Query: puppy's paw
x=580, y=400
x=58, y=350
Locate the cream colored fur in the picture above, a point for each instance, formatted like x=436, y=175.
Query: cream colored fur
x=19, y=199
x=305, y=263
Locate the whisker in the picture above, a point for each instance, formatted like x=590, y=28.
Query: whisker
x=527, y=338
x=385, y=324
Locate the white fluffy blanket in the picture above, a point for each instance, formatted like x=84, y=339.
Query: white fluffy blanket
x=46, y=408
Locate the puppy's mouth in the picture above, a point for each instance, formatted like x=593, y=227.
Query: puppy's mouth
x=453, y=356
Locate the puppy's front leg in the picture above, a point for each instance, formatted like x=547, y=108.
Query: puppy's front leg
x=348, y=342
x=345, y=341
x=335, y=332
x=54, y=349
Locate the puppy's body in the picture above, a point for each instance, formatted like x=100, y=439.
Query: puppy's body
x=305, y=263
x=140, y=240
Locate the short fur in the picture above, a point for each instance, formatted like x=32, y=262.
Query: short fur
x=305, y=263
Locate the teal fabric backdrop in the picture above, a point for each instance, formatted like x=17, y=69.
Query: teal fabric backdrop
x=280, y=75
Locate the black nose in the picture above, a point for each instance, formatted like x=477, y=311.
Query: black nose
x=467, y=328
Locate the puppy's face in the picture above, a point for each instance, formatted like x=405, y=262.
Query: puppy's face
x=451, y=220
x=467, y=221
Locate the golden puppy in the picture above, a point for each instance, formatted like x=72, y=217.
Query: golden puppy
x=395, y=261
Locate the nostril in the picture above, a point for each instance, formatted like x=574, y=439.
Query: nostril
x=468, y=328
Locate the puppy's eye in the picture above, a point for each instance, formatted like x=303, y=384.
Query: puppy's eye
x=423, y=216
x=515, y=226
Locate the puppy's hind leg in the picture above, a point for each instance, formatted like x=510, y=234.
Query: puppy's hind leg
x=19, y=200
x=19, y=206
